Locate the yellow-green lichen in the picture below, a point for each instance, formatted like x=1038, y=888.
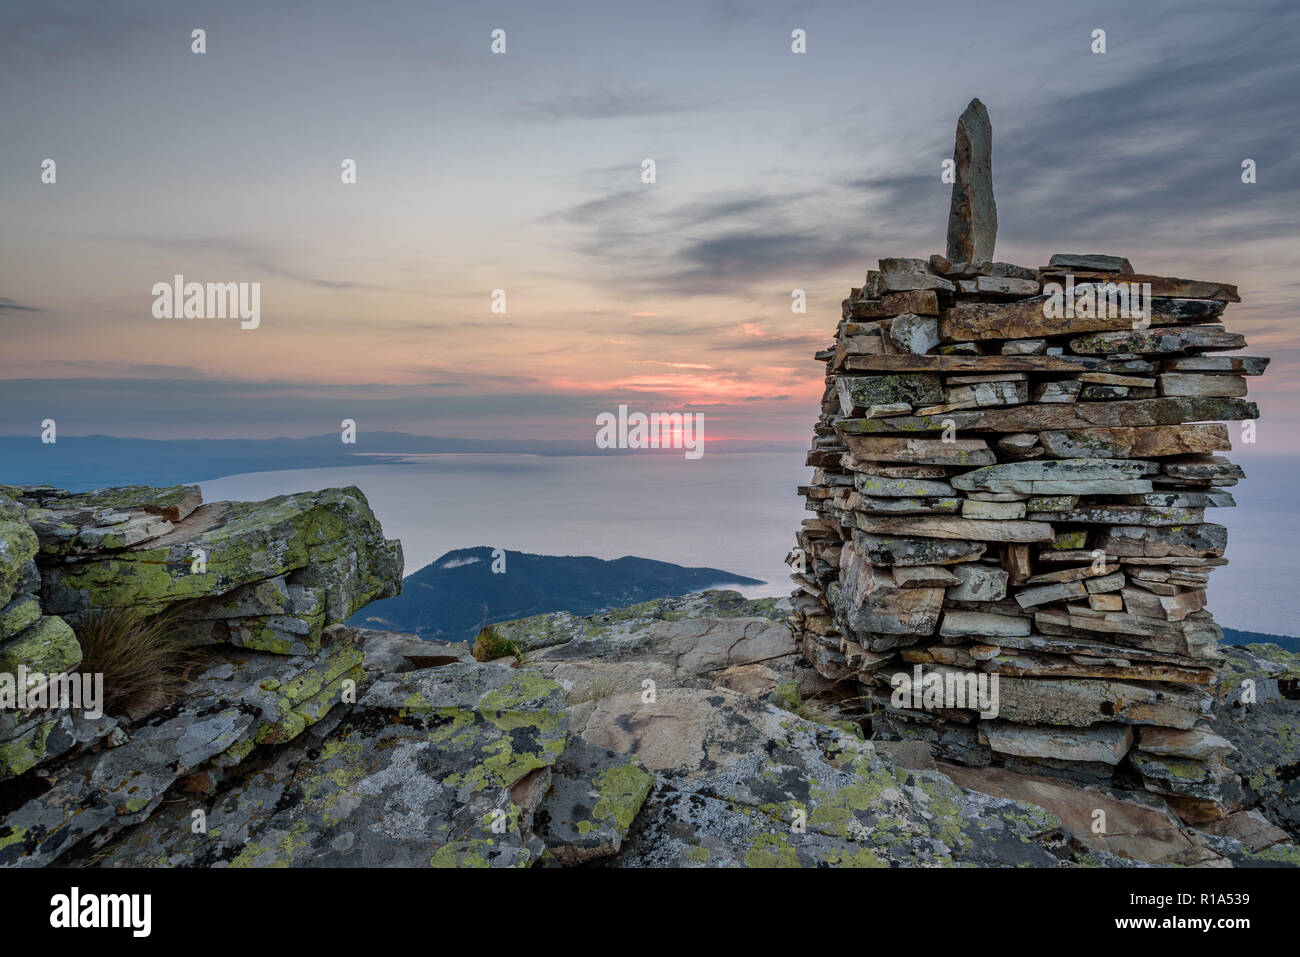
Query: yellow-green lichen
x=622, y=791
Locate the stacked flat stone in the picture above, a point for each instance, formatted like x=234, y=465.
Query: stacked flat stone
x=1000, y=492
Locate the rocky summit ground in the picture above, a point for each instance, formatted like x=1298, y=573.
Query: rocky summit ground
x=682, y=732
x=664, y=734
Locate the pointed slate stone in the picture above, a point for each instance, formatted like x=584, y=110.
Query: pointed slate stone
x=973, y=215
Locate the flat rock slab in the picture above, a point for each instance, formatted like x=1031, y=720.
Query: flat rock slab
x=1158, y=340
x=972, y=364
x=1203, y=541
x=684, y=641
x=1124, y=515
x=905, y=550
x=958, y=623
x=1165, y=286
x=902, y=275
x=1196, y=743
x=1055, y=415
x=880, y=486
x=1238, y=365
x=862, y=392
x=556, y=628
x=1081, y=703
x=988, y=530
x=870, y=601
x=1141, y=442
x=1107, y=743
x=1089, y=261
x=964, y=452
x=1025, y=319
x=388, y=652
x=1196, y=383
x=977, y=582
x=1015, y=476
x=1136, y=827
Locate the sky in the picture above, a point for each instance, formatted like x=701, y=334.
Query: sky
x=522, y=172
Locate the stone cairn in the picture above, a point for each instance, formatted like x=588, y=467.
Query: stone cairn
x=1004, y=487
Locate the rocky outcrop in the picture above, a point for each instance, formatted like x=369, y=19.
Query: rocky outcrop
x=444, y=761
x=256, y=575
x=688, y=731
x=707, y=640
x=1257, y=714
x=264, y=575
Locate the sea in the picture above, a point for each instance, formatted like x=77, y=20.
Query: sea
x=737, y=512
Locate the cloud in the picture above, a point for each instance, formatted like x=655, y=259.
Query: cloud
x=8, y=305
x=1154, y=151
x=739, y=259
x=127, y=369
x=251, y=255
x=721, y=246
x=1149, y=148
x=750, y=340
x=54, y=31
x=144, y=406
x=606, y=105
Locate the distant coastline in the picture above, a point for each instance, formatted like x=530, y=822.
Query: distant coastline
x=80, y=463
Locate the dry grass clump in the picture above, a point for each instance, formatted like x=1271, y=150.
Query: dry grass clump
x=143, y=662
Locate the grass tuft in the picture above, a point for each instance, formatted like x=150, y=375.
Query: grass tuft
x=143, y=662
x=491, y=645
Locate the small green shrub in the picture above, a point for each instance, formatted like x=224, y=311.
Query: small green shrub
x=491, y=645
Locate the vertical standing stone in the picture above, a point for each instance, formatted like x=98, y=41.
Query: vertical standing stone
x=973, y=216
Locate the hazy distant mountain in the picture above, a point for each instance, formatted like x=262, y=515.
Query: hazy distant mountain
x=453, y=596
x=1231, y=636
x=82, y=462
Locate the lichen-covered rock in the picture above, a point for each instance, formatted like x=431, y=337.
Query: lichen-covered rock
x=594, y=797
x=109, y=518
x=556, y=628
x=390, y=652
x=48, y=646
x=236, y=702
x=657, y=735
x=1132, y=826
x=1259, y=713
x=22, y=611
x=742, y=783
x=691, y=641
x=33, y=647
x=264, y=575
x=18, y=545
x=434, y=767
x=29, y=738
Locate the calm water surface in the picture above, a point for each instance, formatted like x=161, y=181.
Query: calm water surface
x=737, y=512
